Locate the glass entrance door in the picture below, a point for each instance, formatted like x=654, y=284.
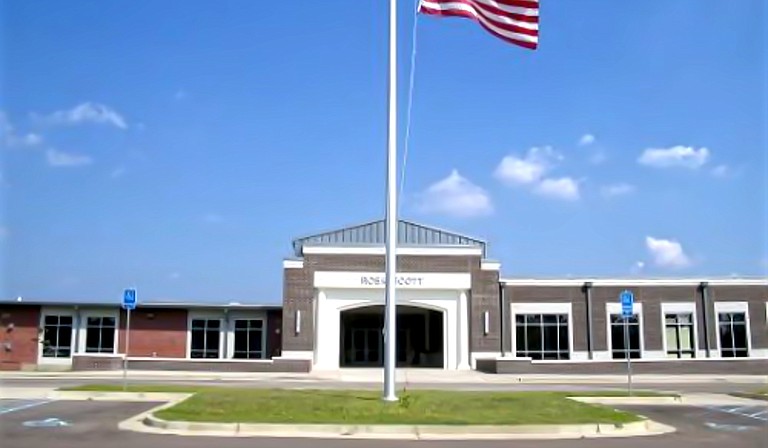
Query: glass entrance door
x=364, y=346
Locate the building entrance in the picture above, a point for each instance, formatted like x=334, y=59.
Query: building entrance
x=419, y=337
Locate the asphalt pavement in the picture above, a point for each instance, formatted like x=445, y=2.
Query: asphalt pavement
x=93, y=424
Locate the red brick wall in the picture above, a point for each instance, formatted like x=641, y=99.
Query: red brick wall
x=156, y=332
x=22, y=335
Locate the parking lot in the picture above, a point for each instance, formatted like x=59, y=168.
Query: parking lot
x=93, y=424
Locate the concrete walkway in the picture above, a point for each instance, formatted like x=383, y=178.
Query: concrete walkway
x=403, y=376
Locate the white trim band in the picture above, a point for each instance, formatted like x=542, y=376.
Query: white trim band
x=379, y=250
x=634, y=282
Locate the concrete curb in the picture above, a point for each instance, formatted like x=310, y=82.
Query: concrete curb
x=404, y=432
x=668, y=400
x=147, y=422
x=52, y=394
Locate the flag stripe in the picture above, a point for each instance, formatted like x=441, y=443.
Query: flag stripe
x=499, y=18
x=502, y=27
x=508, y=7
x=529, y=24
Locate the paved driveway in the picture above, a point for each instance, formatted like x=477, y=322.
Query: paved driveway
x=93, y=424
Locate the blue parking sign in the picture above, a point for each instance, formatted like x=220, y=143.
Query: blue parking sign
x=129, y=299
x=627, y=300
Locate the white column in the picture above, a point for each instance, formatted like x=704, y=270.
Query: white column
x=319, y=326
x=463, y=333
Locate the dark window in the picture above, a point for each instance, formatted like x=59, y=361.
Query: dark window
x=618, y=346
x=733, y=335
x=542, y=336
x=206, y=334
x=679, y=331
x=249, y=342
x=57, y=336
x=100, y=335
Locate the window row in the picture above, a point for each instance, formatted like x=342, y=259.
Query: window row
x=545, y=336
x=206, y=337
x=57, y=340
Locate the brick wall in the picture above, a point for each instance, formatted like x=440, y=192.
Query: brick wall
x=274, y=335
x=484, y=296
x=156, y=332
x=299, y=291
x=18, y=336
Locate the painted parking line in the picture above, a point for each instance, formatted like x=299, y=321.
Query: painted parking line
x=8, y=406
x=753, y=412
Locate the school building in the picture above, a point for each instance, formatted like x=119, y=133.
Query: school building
x=456, y=311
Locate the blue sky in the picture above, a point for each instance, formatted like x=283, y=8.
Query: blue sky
x=179, y=146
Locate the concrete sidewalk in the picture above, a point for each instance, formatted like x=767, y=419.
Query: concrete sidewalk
x=403, y=376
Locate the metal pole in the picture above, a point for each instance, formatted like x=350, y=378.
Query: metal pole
x=127, y=348
x=391, y=215
x=629, y=362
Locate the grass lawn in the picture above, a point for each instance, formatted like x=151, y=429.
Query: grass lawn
x=225, y=404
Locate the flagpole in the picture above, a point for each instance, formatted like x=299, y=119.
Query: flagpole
x=390, y=332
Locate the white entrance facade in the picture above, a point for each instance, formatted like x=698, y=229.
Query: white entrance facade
x=337, y=292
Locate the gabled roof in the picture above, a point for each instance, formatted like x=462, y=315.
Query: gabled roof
x=373, y=233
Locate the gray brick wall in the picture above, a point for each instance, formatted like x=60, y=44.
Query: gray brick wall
x=651, y=297
x=484, y=296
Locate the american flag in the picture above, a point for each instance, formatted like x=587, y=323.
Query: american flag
x=515, y=21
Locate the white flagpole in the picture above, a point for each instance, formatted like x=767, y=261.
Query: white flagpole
x=390, y=331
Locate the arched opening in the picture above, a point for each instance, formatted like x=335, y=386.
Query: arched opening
x=419, y=337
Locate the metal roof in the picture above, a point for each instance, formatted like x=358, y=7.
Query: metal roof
x=373, y=234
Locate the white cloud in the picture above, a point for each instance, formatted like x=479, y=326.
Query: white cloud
x=117, y=172
x=564, y=188
x=10, y=139
x=88, y=112
x=455, y=196
x=637, y=267
x=667, y=253
x=526, y=170
x=597, y=158
x=62, y=159
x=723, y=171
x=174, y=276
x=676, y=156
x=586, y=140
x=614, y=190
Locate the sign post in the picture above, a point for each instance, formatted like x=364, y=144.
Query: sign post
x=129, y=303
x=627, y=301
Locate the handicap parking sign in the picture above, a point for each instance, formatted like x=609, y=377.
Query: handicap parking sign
x=627, y=300
x=129, y=299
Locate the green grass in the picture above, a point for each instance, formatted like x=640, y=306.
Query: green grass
x=231, y=404
x=366, y=407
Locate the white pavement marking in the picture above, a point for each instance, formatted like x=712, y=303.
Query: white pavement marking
x=21, y=407
x=744, y=411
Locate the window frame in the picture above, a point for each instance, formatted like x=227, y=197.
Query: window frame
x=234, y=315
x=73, y=349
x=680, y=308
x=192, y=316
x=614, y=308
x=549, y=308
x=82, y=329
x=733, y=307
x=233, y=324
